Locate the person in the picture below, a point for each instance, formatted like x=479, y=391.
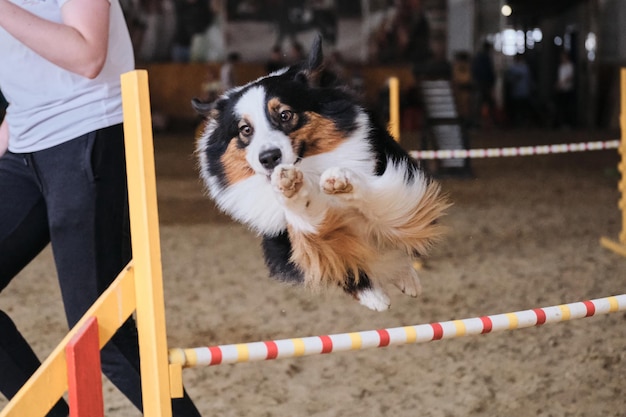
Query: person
x=3, y=107
x=520, y=86
x=193, y=17
x=288, y=18
x=565, y=96
x=416, y=35
x=211, y=86
x=462, y=84
x=484, y=77
x=227, y=71
x=62, y=171
x=297, y=53
x=437, y=66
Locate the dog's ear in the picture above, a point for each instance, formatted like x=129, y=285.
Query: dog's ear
x=313, y=66
x=316, y=56
x=204, y=108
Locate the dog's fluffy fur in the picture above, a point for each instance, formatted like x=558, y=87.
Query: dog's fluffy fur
x=335, y=198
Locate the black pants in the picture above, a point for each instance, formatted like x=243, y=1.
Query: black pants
x=73, y=196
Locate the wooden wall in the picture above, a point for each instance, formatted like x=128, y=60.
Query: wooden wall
x=173, y=85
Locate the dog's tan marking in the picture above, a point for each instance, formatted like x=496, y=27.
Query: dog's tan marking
x=236, y=167
x=275, y=107
x=318, y=134
x=337, y=249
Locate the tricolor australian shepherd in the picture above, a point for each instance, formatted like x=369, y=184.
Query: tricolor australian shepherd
x=337, y=201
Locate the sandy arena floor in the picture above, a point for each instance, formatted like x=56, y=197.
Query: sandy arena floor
x=523, y=234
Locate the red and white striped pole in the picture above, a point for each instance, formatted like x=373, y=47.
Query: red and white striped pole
x=288, y=348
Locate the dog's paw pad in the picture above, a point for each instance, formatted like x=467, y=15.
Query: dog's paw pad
x=287, y=179
x=374, y=299
x=336, y=181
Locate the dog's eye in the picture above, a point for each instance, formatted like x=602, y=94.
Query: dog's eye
x=245, y=130
x=286, y=115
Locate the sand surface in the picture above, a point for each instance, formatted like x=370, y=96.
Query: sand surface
x=523, y=234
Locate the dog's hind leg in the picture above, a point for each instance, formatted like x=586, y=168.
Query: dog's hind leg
x=374, y=298
x=396, y=267
x=367, y=292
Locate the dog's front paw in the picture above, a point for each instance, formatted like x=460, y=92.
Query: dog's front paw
x=287, y=179
x=336, y=181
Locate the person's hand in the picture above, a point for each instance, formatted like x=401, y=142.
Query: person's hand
x=4, y=137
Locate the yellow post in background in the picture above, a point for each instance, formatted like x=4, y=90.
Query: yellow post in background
x=620, y=246
x=146, y=245
x=394, y=108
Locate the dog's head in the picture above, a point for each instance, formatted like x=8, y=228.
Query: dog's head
x=282, y=118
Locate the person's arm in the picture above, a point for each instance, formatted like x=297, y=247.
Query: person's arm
x=78, y=45
x=4, y=136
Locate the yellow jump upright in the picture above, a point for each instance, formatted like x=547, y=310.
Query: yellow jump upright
x=144, y=223
x=394, y=108
x=620, y=246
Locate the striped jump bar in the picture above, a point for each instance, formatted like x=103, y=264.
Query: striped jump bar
x=516, y=151
x=288, y=348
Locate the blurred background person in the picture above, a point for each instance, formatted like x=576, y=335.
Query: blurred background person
x=484, y=77
x=565, y=94
x=193, y=17
x=519, y=87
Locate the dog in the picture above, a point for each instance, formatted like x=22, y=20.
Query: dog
x=337, y=201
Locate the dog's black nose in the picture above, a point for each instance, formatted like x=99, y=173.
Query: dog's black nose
x=270, y=158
